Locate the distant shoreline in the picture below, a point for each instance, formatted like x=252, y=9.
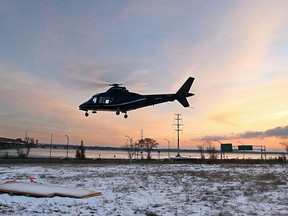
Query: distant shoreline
x=7, y=143
x=6, y=161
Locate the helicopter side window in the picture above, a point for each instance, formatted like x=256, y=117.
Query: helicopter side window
x=105, y=100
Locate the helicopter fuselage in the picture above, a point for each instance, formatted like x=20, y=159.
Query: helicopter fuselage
x=119, y=99
x=124, y=102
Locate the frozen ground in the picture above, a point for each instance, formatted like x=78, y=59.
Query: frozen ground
x=152, y=190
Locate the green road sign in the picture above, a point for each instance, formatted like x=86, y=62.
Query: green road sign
x=226, y=147
x=245, y=147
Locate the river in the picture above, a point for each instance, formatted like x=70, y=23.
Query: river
x=107, y=154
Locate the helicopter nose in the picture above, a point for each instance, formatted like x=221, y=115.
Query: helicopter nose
x=83, y=106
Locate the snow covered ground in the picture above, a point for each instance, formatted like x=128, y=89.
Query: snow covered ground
x=168, y=189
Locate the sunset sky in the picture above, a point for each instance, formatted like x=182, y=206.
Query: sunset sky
x=54, y=54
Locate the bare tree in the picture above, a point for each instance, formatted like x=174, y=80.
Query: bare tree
x=285, y=145
x=211, y=150
x=130, y=147
x=148, y=144
x=20, y=152
x=201, y=150
x=140, y=146
x=80, y=152
x=28, y=144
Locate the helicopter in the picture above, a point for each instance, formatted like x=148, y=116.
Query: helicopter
x=118, y=99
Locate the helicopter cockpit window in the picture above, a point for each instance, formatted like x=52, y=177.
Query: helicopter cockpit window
x=94, y=99
x=105, y=100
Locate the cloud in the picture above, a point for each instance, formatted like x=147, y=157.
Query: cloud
x=278, y=132
x=205, y=138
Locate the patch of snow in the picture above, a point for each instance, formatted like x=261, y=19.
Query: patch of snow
x=168, y=189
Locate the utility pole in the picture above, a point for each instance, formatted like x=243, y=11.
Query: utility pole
x=67, y=145
x=50, y=145
x=178, y=125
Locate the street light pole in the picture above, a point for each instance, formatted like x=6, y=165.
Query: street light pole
x=220, y=149
x=67, y=145
x=130, y=147
x=50, y=145
x=168, y=147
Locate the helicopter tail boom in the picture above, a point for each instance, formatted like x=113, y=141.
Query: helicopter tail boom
x=183, y=92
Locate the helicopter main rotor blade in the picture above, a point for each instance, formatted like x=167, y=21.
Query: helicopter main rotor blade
x=86, y=84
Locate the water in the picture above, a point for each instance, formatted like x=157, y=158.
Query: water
x=118, y=154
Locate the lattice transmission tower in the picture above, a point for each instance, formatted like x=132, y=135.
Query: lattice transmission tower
x=179, y=124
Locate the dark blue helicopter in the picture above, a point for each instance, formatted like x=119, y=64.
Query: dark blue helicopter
x=118, y=99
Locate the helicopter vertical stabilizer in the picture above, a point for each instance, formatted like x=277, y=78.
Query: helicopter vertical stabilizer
x=183, y=92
